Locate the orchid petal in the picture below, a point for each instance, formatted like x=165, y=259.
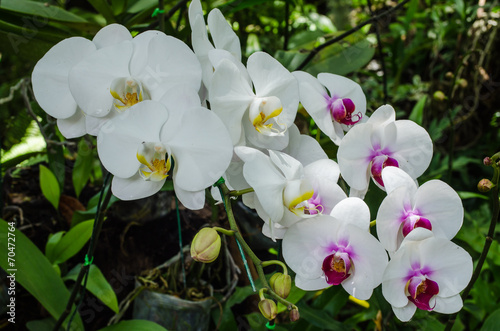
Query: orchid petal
x=194, y=200
x=383, y=115
x=394, y=177
x=50, y=76
x=120, y=138
x=134, y=187
x=324, y=169
x=290, y=167
x=90, y=80
x=222, y=33
x=230, y=96
x=139, y=58
x=404, y=314
x=194, y=10
x=200, y=146
x=73, y=126
x=439, y=203
x=304, y=148
x=352, y=211
x=111, y=35
x=448, y=305
x=201, y=47
x=311, y=284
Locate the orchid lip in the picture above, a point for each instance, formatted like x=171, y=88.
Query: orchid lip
x=378, y=163
x=421, y=290
x=127, y=92
x=342, y=110
x=413, y=221
x=266, y=110
x=155, y=164
x=337, y=267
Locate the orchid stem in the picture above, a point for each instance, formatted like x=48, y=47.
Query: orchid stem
x=271, y=262
x=237, y=193
x=224, y=231
x=259, y=265
x=488, y=239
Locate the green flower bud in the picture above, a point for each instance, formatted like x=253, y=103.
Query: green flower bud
x=294, y=315
x=487, y=161
x=206, y=245
x=462, y=82
x=485, y=185
x=268, y=309
x=281, y=284
x=439, y=96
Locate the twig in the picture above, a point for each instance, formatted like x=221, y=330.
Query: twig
x=488, y=239
x=11, y=92
x=316, y=50
x=99, y=220
x=380, y=52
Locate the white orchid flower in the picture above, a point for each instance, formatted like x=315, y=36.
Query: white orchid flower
x=223, y=36
x=336, y=249
x=261, y=118
x=434, y=206
x=382, y=141
x=140, y=146
x=426, y=273
x=286, y=191
x=50, y=77
x=112, y=79
x=333, y=112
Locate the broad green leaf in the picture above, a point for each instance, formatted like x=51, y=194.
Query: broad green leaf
x=40, y=9
x=320, y=318
x=417, y=113
x=492, y=322
x=97, y=285
x=136, y=325
x=83, y=166
x=341, y=60
x=50, y=186
x=290, y=59
x=90, y=213
x=141, y=5
x=72, y=242
x=34, y=272
x=295, y=295
x=104, y=9
x=228, y=322
x=52, y=242
x=304, y=40
x=47, y=324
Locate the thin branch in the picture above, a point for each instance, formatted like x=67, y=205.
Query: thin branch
x=488, y=239
x=316, y=50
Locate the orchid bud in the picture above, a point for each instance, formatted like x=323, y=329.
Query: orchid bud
x=294, y=315
x=206, y=245
x=439, y=96
x=487, y=161
x=281, y=284
x=485, y=185
x=462, y=82
x=268, y=309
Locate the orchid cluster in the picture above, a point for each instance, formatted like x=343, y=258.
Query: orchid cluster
x=160, y=110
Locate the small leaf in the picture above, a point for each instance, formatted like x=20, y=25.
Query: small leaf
x=83, y=166
x=52, y=242
x=36, y=274
x=50, y=186
x=417, y=113
x=72, y=242
x=136, y=325
x=97, y=285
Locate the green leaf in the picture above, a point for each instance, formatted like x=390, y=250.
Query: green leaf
x=417, y=113
x=97, y=285
x=40, y=9
x=469, y=195
x=50, y=186
x=237, y=5
x=72, y=242
x=35, y=273
x=47, y=324
x=104, y=9
x=83, y=166
x=320, y=318
x=52, y=242
x=342, y=60
x=295, y=295
x=136, y=325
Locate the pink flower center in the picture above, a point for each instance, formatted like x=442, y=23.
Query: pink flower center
x=314, y=205
x=378, y=163
x=337, y=267
x=420, y=290
x=342, y=110
x=413, y=221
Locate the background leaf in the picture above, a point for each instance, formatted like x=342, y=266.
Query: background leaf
x=97, y=285
x=83, y=166
x=50, y=186
x=136, y=325
x=36, y=275
x=72, y=242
